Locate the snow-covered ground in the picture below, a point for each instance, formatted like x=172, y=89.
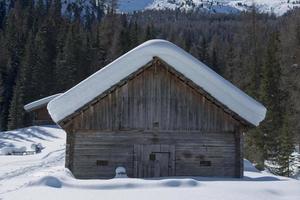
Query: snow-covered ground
x=17, y=171
x=43, y=176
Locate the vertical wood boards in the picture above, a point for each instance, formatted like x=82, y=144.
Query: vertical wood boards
x=155, y=99
x=154, y=160
x=41, y=116
x=239, y=159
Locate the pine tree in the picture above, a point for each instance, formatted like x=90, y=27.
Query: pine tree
x=112, y=6
x=254, y=148
x=55, y=9
x=72, y=62
x=24, y=90
x=150, y=32
x=200, y=51
x=45, y=45
x=271, y=96
x=203, y=51
x=298, y=33
x=1, y=101
x=253, y=63
x=284, y=158
x=29, y=71
x=229, y=68
x=97, y=50
x=16, y=110
x=66, y=70
x=134, y=34
x=100, y=8
x=2, y=13
x=14, y=45
x=214, y=61
x=40, y=10
x=125, y=39
x=88, y=18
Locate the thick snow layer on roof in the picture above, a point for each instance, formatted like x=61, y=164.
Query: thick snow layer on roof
x=39, y=103
x=226, y=93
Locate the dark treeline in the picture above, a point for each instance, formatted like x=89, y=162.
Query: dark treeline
x=43, y=53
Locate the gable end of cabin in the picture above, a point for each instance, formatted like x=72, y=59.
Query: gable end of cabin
x=155, y=122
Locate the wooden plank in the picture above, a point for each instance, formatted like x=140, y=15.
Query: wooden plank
x=239, y=158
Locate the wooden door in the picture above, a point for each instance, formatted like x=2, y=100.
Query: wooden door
x=154, y=161
x=159, y=164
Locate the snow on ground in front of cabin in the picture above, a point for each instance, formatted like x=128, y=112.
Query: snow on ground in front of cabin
x=43, y=176
x=16, y=171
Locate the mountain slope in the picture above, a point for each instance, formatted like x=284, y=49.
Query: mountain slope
x=278, y=7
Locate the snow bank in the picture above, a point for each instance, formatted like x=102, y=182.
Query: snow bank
x=256, y=185
x=236, y=100
x=248, y=166
x=39, y=103
x=49, y=181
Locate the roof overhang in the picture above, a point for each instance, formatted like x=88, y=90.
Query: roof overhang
x=40, y=103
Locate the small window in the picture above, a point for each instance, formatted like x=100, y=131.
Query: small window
x=205, y=163
x=102, y=162
x=152, y=157
x=156, y=124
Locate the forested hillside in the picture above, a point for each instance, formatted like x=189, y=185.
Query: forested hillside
x=43, y=52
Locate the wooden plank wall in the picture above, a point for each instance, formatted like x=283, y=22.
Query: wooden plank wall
x=41, y=116
x=155, y=99
x=118, y=149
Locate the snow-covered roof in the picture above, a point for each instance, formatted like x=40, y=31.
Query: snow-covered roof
x=219, y=88
x=39, y=103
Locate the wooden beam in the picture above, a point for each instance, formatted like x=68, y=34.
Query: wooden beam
x=239, y=153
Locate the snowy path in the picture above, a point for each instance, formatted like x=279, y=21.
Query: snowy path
x=44, y=176
x=23, y=168
x=16, y=171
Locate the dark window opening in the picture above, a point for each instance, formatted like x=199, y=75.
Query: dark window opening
x=152, y=157
x=102, y=162
x=205, y=163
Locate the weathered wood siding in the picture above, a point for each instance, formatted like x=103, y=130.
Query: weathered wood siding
x=156, y=106
x=118, y=149
x=155, y=99
x=39, y=116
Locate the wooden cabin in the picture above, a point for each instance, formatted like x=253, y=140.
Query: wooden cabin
x=156, y=111
x=38, y=113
